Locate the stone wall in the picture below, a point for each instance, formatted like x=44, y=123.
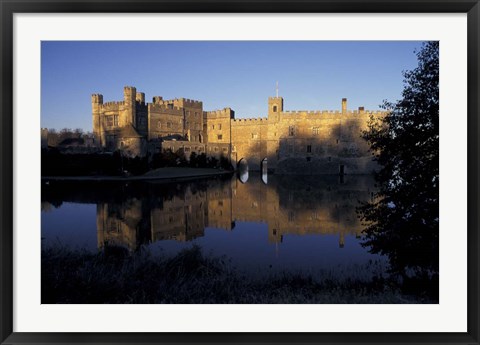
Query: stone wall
x=320, y=143
x=249, y=141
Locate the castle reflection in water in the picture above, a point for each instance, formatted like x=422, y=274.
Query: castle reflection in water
x=182, y=211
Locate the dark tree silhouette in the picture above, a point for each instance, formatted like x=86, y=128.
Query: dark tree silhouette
x=403, y=220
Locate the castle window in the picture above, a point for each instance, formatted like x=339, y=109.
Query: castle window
x=309, y=148
x=220, y=126
x=213, y=126
x=225, y=149
x=315, y=130
x=291, y=131
x=254, y=136
x=274, y=108
x=109, y=121
x=219, y=137
x=159, y=124
x=115, y=120
x=216, y=149
x=169, y=125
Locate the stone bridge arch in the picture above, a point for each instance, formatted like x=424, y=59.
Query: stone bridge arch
x=242, y=170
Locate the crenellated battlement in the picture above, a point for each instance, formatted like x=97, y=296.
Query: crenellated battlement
x=191, y=101
x=324, y=113
x=186, y=102
x=255, y=120
x=165, y=109
x=97, y=98
x=108, y=106
x=213, y=114
x=114, y=103
x=157, y=99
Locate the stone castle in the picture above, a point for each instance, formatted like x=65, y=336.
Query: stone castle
x=311, y=142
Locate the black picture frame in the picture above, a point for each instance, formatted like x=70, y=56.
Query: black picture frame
x=9, y=7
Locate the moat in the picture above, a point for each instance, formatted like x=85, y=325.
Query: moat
x=289, y=222
x=258, y=225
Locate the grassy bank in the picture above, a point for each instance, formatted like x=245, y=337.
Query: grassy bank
x=190, y=277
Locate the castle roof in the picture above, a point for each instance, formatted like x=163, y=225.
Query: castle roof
x=129, y=132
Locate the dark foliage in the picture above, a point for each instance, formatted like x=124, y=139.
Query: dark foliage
x=55, y=163
x=403, y=220
x=63, y=136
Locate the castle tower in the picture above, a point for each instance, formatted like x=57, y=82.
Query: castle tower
x=344, y=105
x=97, y=103
x=275, y=107
x=129, y=97
x=140, y=98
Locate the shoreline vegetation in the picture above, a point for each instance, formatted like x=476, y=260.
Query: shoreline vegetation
x=114, y=275
x=167, y=173
x=103, y=166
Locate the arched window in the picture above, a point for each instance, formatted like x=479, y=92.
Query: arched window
x=274, y=108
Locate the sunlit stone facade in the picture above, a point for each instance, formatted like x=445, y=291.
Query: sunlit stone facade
x=306, y=142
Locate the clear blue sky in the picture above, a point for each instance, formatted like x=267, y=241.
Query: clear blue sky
x=312, y=75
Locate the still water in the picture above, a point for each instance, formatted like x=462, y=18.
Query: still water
x=257, y=223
